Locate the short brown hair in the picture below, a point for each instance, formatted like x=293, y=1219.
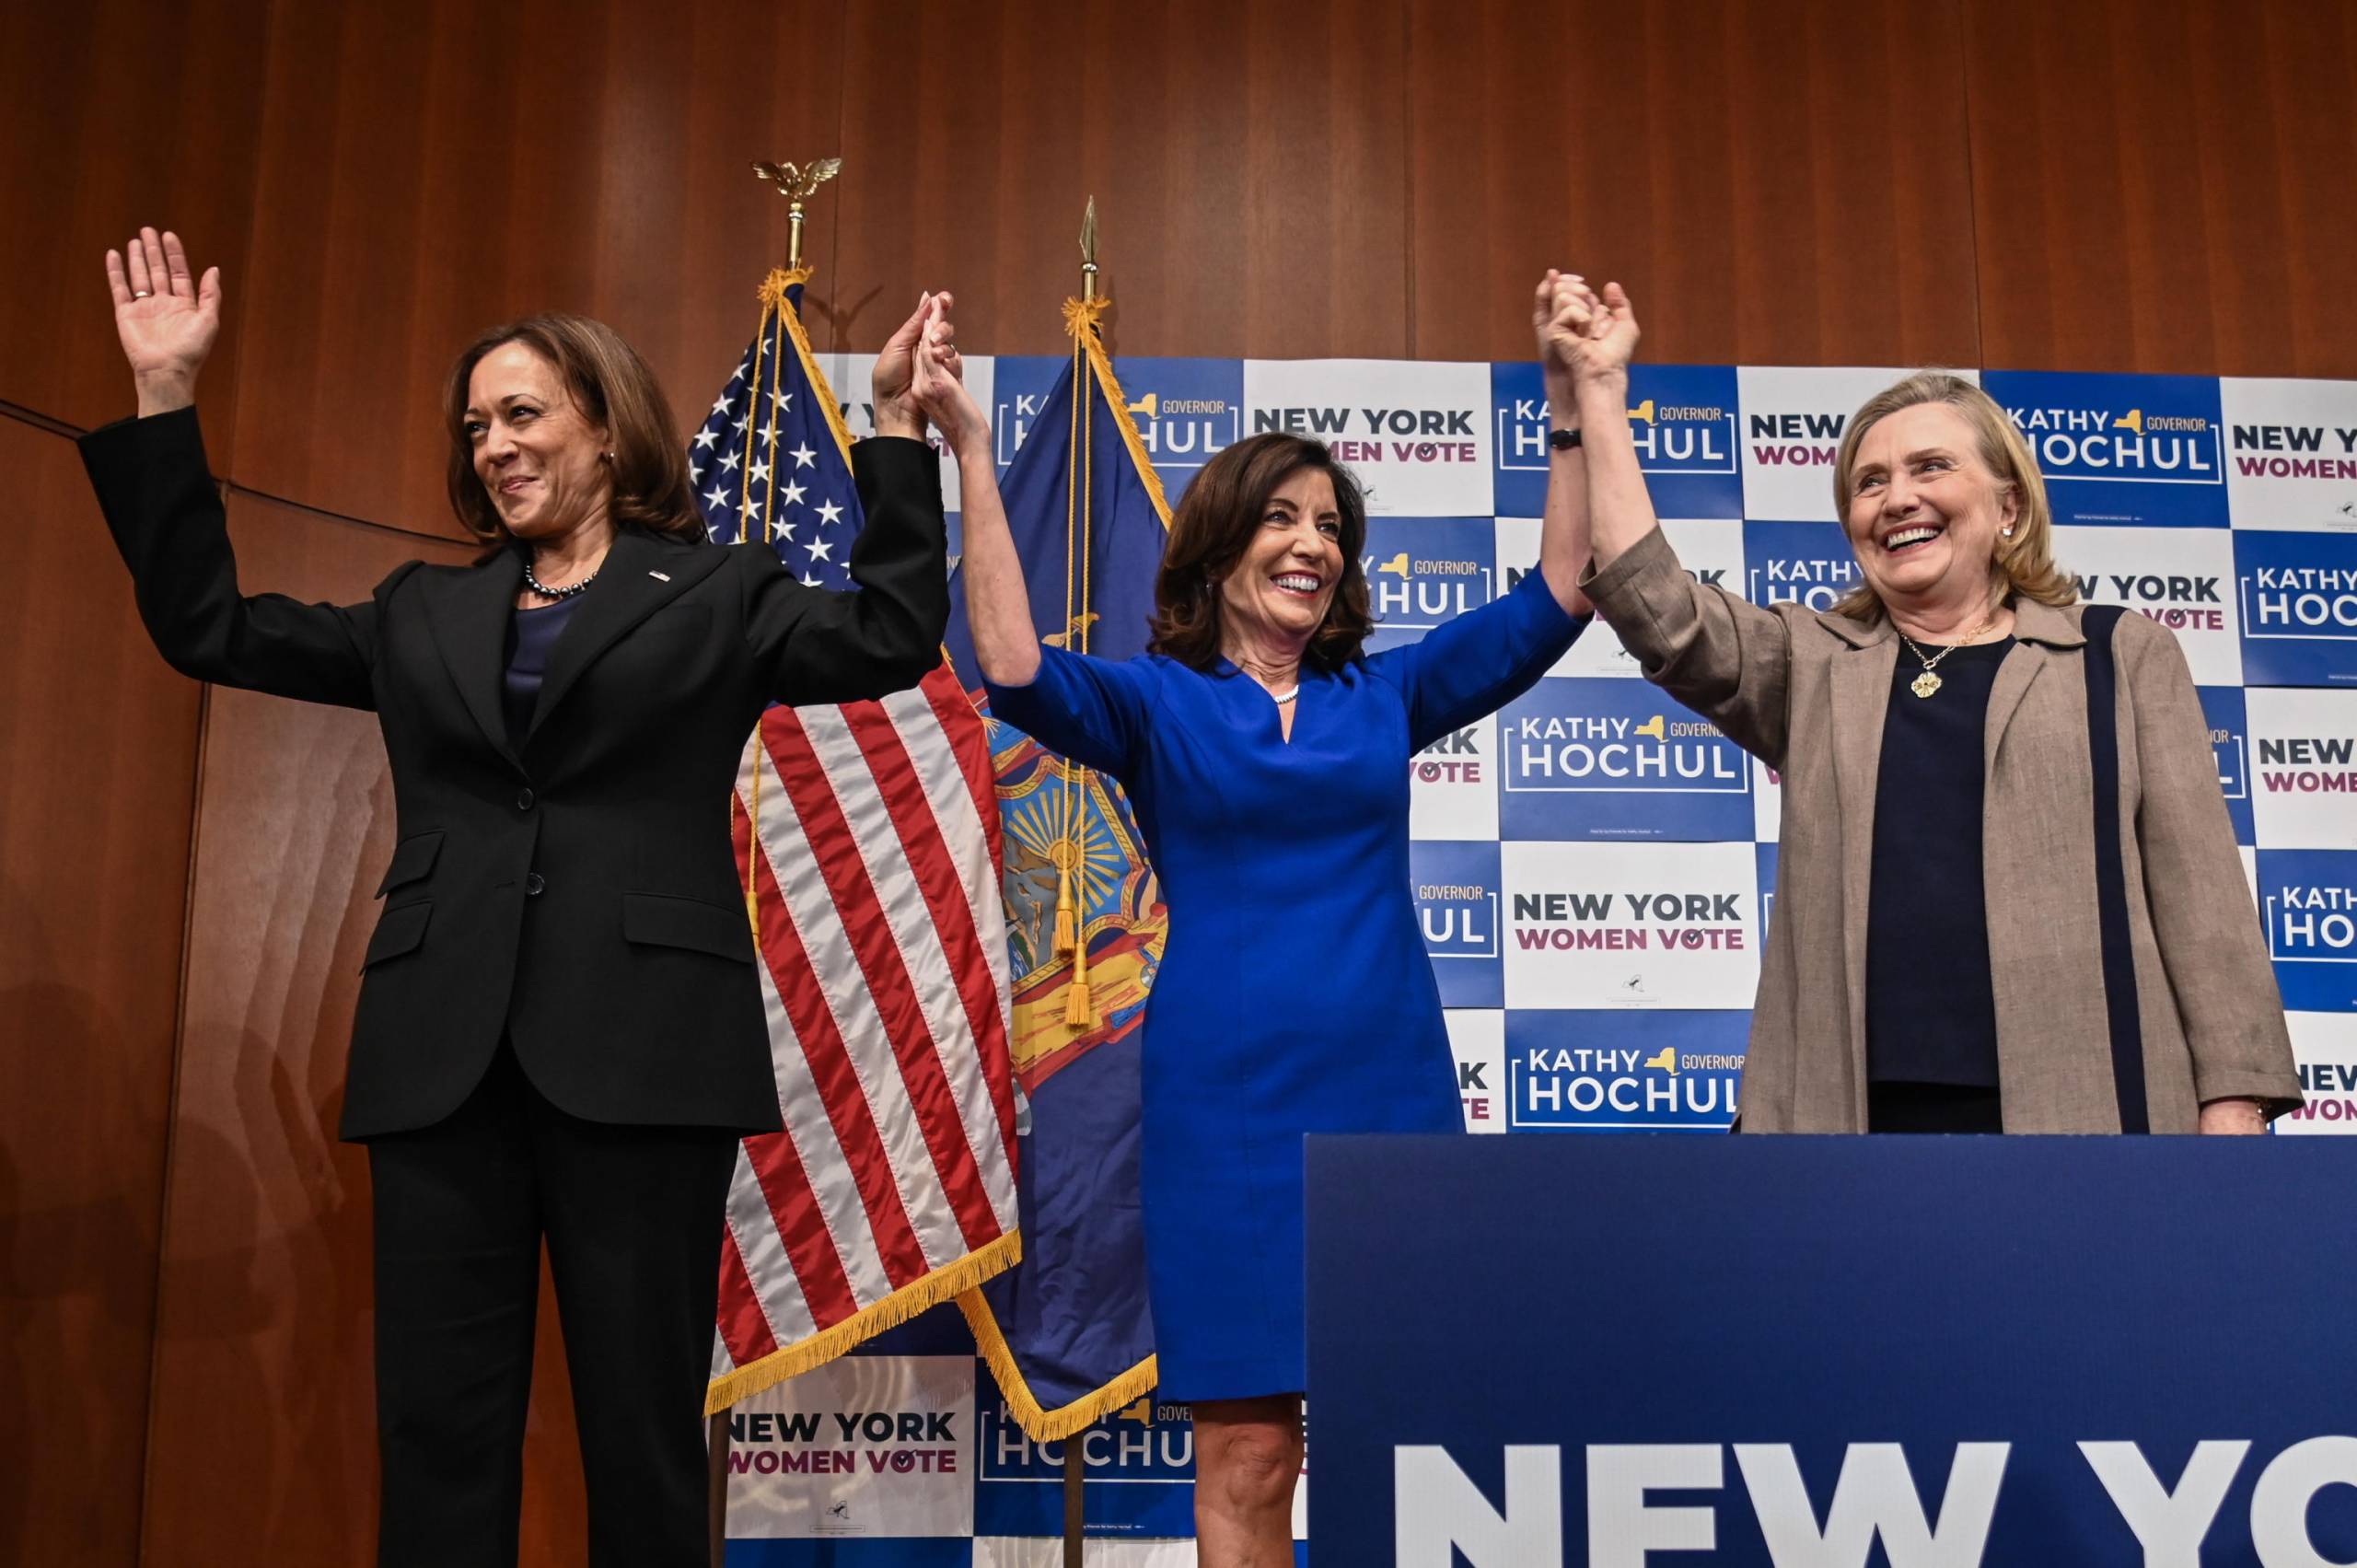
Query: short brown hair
x=2023, y=564
x=613, y=387
x=1213, y=526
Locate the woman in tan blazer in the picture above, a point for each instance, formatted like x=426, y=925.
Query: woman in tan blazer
x=2000, y=905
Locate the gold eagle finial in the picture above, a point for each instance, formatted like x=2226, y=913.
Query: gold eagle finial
x=796, y=183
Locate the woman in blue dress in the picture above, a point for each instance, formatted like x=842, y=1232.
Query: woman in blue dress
x=1268, y=760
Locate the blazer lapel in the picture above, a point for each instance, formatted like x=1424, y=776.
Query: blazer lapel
x=1861, y=702
x=470, y=622
x=640, y=575
x=2036, y=627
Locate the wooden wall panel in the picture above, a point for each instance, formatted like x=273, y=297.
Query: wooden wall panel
x=2166, y=188
x=97, y=754
x=1250, y=165
x=263, y=1440
x=424, y=174
x=113, y=114
x=1774, y=184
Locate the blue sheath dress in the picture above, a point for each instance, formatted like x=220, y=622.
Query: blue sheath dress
x=1295, y=994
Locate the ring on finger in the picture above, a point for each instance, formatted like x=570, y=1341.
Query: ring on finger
x=141, y=293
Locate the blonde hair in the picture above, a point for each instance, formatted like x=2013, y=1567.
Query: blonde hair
x=2024, y=564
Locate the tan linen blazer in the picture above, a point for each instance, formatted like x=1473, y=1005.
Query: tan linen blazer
x=1807, y=694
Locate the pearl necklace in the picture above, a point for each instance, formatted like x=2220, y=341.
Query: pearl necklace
x=1282, y=698
x=567, y=591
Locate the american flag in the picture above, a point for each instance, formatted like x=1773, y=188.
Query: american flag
x=869, y=837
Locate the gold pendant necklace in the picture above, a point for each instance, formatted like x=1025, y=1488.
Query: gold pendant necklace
x=1924, y=684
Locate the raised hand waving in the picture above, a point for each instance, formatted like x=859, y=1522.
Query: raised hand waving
x=166, y=319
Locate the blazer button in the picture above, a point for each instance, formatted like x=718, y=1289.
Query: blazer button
x=523, y=800
x=532, y=884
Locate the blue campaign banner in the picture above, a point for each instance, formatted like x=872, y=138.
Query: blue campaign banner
x=1019, y=390
x=2297, y=596
x=1139, y=1473
x=1684, y=420
x=1683, y=417
x=1518, y=423
x=1809, y=563
x=1186, y=410
x=2308, y=899
x=1457, y=903
x=1425, y=572
x=1979, y=1352
x=2140, y=449
x=2230, y=739
x=1766, y=854
x=1597, y=758
x=1623, y=1071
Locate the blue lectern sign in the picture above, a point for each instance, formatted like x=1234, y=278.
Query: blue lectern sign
x=1829, y=1353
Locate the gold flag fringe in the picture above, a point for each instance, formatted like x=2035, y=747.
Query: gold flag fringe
x=1049, y=1425
x=960, y=1280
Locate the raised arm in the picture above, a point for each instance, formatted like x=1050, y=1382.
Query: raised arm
x=1602, y=337
x=1559, y=314
x=1719, y=654
x=166, y=514
x=998, y=606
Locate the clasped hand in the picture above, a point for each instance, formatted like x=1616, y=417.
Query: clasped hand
x=920, y=375
x=1581, y=336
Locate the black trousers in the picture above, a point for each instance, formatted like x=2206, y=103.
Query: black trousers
x=632, y=1218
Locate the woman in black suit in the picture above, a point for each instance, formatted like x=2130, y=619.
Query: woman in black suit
x=558, y=1033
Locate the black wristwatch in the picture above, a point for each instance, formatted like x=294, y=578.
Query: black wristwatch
x=1564, y=440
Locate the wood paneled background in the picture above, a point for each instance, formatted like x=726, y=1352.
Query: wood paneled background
x=2160, y=185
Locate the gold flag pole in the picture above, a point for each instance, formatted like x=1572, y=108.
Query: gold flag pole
x=1079, y=1012
x=1088, y=251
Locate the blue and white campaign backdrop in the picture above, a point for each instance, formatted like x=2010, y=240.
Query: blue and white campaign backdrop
x=1595, y=865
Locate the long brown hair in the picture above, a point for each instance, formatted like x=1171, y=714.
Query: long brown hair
x=2023, y=564
x=1213, y=526
x=611, y=386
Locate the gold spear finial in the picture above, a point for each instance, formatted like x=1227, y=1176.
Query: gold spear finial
x=1089, y=252
x=796, y=184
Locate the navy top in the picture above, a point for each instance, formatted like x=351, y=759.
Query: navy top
x=530, y=634
x=1931, y=1007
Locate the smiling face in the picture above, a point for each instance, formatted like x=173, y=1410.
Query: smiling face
x=538, y=458
x=1277, y=593
x=1925, y=511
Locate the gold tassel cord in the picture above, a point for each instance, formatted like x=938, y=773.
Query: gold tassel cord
x=1080, y=1004
x=1070, y=933
x=753, y=746
x=777, y=384
x=744, y=497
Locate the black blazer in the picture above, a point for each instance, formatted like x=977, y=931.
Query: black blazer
x=578, y=890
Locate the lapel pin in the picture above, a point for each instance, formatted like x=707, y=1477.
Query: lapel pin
x=660, y=576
